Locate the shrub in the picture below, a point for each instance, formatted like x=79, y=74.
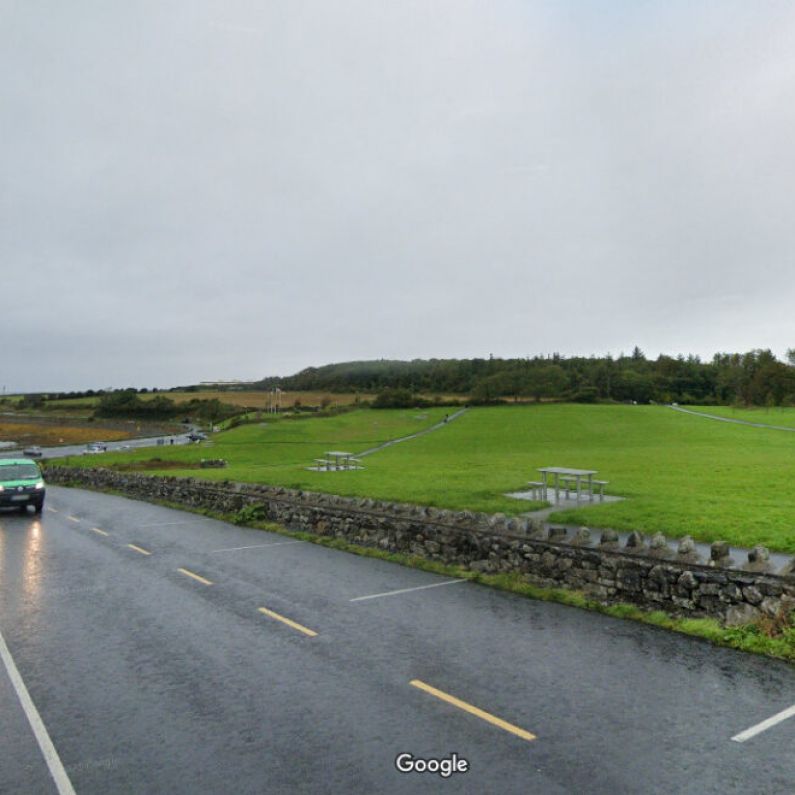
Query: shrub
x=586, y=394
x=395, y=399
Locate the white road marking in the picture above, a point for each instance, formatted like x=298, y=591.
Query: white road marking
x=764, y=725
x=51, y=757
x=167, y=524
x=259, y=546
x=51, y=510
x=405, y=590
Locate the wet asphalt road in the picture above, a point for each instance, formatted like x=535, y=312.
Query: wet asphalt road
x=151, y=681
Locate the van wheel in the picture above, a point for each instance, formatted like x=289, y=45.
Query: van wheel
x=23, y=508
x=39, y=507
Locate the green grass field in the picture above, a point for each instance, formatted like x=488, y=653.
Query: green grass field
x=680, y=474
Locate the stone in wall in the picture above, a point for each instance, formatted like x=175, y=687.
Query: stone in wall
x=759, y=560
x=636, y=544
x=609, y=540
x=658, y=547
x=719, y=555
x=686, y=552
x=581, y=537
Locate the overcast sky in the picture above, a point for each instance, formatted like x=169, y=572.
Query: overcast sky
x=215, y=190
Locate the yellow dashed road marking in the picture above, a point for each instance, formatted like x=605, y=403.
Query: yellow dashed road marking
x=293, y=624
x=487, y=716
x=195, y=576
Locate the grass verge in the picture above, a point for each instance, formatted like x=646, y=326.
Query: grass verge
x=769, y=637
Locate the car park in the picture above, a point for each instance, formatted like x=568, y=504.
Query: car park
x=21, y=484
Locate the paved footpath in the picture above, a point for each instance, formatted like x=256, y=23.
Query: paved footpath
x=436, y=427
x=168, y=652
x=731, y=419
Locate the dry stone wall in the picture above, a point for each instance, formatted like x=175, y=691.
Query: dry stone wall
x=646, y=572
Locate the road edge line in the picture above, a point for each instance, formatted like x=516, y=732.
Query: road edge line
x=54, y=764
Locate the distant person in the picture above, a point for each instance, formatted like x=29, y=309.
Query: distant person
x=171, y=441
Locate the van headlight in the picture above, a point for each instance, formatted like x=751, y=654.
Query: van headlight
x=39, y=485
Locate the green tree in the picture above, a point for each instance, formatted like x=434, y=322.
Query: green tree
x=394, y=399
x=549, y=381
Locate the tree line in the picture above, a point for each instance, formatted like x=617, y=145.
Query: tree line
x=126, y=403
x=755, y=378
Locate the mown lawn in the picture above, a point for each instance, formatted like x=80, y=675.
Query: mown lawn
x=680, y=474
x=278, y=450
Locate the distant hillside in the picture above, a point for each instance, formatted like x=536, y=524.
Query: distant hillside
x=437, y=375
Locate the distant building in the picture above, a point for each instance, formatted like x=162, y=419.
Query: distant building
x=237, y=384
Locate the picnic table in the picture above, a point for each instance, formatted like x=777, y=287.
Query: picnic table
x=582, y=479
x=341, y=459
x=335, y=461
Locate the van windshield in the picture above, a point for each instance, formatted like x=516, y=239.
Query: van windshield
x=19, y=472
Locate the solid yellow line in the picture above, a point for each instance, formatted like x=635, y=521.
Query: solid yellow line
x=293, y=624
x=456, y=702
x=195, y=576
x=101, y=532
x=139, y=549
x=72, y=518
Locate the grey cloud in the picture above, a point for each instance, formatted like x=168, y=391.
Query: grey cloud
x=213, y=190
